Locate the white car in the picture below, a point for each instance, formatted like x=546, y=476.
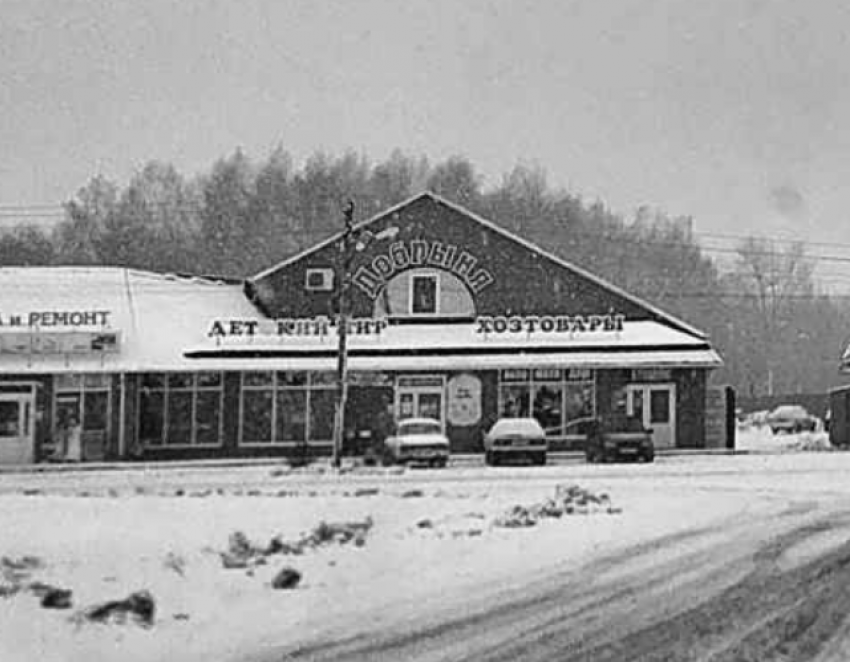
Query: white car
x=417, y=441
x=515, y=438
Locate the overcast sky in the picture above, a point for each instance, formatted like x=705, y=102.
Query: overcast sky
x=734, y=112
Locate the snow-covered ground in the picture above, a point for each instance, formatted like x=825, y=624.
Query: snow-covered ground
x=106, y=534
x=759, y=438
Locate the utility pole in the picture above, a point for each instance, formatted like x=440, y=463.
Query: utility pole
x=346, y=255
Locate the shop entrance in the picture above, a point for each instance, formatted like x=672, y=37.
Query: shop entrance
x=16, y=427
x=655, y=405
x=420, y=396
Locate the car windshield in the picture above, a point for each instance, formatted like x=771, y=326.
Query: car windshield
x=526, y=427
x=419, y=427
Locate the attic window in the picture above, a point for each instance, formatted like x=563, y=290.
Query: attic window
x=423, y=294
x=319, y=280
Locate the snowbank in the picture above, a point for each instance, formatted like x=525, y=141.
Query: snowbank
x=759, y=439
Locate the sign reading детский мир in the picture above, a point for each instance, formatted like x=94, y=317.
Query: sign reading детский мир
x=321, y=326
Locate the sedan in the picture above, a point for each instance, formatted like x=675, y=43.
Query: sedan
x=514, y=438
x=417, y=441
x=791, y=418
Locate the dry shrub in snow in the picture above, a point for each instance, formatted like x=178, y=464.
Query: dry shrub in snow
x=176, y=563
x=242, y=553
x=568, y=500
x=16, y=572
x=139, y=607
x=814, y=441
x=286, y=578
x=56, y=598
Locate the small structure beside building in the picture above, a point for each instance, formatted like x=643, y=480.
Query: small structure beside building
x=452, y=318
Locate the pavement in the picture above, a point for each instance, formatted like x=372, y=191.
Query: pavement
x=470, y=459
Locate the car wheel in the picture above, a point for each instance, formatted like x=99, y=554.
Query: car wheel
x=439, y=463
x=541, y=459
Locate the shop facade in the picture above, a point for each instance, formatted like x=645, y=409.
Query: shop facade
x=449, y=316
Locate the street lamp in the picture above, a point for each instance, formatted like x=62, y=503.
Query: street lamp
x=346, y=257
x=351, y=243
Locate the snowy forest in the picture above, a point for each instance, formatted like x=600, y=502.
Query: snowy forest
x=777, y=332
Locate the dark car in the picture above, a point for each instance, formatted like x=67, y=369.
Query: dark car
x=618, y=437
x=515, y=438
x=791, y=419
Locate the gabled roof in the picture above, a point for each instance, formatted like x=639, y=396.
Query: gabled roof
x=655, y=311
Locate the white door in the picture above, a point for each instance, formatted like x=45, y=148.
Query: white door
x=655, y=405
x=16, y=429
x=420, y=397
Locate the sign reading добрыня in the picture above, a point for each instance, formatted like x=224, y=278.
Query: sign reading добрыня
x=54, y=318
x=402, y=255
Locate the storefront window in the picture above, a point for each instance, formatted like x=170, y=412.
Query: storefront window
x=578, y=401
x=515, y=400
x=556, y=398
x=287, y=408
x=181, y=409
x=83, y=398
x=548, y=407
x=292, y=418
x=208, y=417
x=322, y=406
x=179, y=418
x=95, y=410
x=257, y=416
x=151, y=417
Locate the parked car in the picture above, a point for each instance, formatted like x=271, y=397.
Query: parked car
x=791, y=418
x=515, y=438
x=417, y=441
x=619, y=437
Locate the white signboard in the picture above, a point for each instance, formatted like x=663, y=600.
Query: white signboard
x=464, y=400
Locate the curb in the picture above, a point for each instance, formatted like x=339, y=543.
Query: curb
x=234, y=463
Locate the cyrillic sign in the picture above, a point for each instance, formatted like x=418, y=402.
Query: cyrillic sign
x=52, y=318
x=402, y=255
x=293, y=327
x=550, y=324
x=59, y=342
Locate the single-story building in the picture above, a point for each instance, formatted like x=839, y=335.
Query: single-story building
x=448, y=316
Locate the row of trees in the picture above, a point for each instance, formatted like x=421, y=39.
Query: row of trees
x=774, y=330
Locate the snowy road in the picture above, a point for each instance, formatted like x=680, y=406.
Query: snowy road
x=727, y=592
x=769, y=583
x=704, y=558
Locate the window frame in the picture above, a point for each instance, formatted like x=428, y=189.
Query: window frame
x=82, y=386
x=165, y=388
x=307, y=382
x=432, y=276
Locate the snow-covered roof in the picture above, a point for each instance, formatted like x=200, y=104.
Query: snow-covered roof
x=462, y=346
x=156, y=316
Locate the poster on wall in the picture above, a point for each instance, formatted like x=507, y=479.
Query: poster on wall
x=464, y=400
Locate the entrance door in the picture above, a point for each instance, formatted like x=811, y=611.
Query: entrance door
x=16, y=428
x=420, y=396
x=655, y=405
